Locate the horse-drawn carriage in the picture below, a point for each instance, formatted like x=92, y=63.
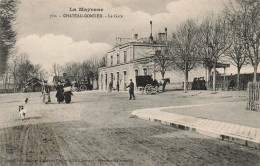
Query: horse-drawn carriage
x=82, y=85
x=147, y=85
x=78, y=84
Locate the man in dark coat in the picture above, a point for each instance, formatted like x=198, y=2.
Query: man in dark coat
x=59, y=94
x=131, y=90
x=110, y=87
x=203, y=84
x=117, y=86
x=198, y=87
x=194, y=84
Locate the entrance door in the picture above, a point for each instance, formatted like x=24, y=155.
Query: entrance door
x=101, y=82
x=111, y=78
x=106, y=81
x=117, y=76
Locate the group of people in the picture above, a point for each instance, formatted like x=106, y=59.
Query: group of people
x=199, y=84
x=111, y=86
x=63, y=92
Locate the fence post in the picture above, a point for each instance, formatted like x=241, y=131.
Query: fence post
x=253, y=96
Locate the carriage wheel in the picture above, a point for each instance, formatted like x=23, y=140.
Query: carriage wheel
x=83, y=87
x=148, y=89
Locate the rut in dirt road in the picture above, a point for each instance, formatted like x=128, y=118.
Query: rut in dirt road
x=75, y=143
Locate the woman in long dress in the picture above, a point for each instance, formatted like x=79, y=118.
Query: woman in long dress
x=59, y=94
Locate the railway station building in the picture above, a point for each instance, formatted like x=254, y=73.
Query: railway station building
x=128, y=59
x=135, y=56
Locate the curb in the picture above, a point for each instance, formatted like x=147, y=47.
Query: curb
x=246, y=141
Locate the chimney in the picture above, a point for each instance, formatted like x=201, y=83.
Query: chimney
x=136, y=37
x=151, y=35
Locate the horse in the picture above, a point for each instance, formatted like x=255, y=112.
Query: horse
x=165, y=81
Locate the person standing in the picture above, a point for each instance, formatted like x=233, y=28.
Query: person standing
x=131, y=90
x=46, y=92
x=67, y=91
x=203, y=84
x=117, y=86
x=198, y=84
x=59, y=94
x=194, y=84
x=110, y=87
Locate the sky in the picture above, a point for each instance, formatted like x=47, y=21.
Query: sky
x=60, y=39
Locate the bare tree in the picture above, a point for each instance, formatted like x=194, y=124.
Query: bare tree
x=24, y=70
x=247, y=15
x=13, y=63
x=102, y=62
x=73, y=69
x=184, y=49
x=213, y=42
x=162, y=59
x=237, y=52
x=8, y=10
x=57, y=69
x=38, y=72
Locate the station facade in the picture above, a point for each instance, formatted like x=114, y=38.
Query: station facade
x=135, y=57
x=126, y=61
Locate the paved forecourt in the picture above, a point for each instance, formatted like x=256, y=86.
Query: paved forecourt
x=250, y=136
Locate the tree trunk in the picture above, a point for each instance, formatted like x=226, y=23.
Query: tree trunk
x=8, y=84
x=186, y=78
x=214, y=77
x=14, y=82
x=162, y=74
x=255, y=71
x=238, y=78
x=209, y=74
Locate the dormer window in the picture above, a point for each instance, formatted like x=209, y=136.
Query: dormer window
x=111, y=60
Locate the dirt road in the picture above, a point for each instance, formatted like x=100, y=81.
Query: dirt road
x=96, y=129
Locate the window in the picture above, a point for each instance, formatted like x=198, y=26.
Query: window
x=117, y=58
x=111, y=78
x=145, y=71
x=106, y=81
x=117, y=77
x=136, y=72
x=125, y=56
x=111, y=60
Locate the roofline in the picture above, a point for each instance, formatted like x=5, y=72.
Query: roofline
x=134, y=44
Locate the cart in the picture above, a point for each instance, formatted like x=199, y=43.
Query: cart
x=147, y=85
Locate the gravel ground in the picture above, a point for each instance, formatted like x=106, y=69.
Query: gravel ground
x=97, y=129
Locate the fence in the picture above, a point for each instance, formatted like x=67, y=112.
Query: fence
x=7, y=91
x=253, y=96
